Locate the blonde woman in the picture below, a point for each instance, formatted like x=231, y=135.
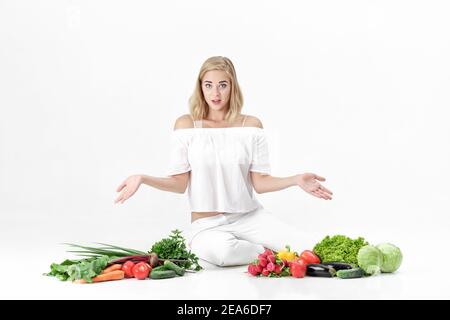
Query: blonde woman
x=221, y=155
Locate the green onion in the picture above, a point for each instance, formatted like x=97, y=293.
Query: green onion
x=108, y=250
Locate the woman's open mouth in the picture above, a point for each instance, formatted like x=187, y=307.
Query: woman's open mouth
x=216, y=101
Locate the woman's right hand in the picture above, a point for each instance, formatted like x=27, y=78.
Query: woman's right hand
x=128, y=188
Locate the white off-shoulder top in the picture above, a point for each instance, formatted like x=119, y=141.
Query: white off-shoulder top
x=220, y=161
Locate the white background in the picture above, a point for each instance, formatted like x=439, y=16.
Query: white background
x=356, y=91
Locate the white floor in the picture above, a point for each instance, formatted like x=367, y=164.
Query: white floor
x=28, y=249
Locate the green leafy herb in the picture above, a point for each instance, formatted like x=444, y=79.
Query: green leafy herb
x=86, y=269
x=174, y=247
x=339, y=248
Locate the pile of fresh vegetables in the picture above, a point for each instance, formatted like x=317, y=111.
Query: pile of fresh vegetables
x=364, y=259
x=167, y=258
x=338, y=256
x=282, y=264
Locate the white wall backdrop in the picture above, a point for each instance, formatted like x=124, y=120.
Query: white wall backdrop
x=356, y=91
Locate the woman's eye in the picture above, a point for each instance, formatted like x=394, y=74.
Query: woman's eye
x=208, y=85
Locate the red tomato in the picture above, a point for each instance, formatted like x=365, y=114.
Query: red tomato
x=309, y=257
x=141, y=270
x=298, y=268
x=127, y=267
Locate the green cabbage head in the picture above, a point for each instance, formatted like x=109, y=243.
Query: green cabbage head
x=392, y=257
x=370, y=259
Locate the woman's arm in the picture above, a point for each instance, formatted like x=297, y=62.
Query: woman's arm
x=306, y=181
x=263, y=183
x=176, y=183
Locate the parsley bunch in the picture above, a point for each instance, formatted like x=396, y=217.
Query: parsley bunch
x=174, y=247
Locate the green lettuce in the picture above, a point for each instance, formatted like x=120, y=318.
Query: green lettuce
x=86, y=269
x=339, y=248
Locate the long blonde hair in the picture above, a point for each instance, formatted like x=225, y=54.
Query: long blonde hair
x=198, y=107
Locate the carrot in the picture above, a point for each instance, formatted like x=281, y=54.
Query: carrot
x=113, y=275
x=113, y=267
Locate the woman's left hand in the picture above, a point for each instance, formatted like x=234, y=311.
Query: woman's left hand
x=308, y=182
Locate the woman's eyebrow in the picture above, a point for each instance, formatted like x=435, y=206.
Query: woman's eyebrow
x=219, y=81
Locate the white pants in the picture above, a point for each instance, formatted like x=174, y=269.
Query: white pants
x=230, y=239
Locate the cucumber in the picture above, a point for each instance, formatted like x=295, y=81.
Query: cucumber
x=160, y=268
x=162, y=274
x=350, y=273
x=172, y=266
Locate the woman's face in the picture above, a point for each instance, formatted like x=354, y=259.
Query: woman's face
x=216, y=89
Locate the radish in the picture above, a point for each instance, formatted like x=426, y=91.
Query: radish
x=253, y=270
x=277, y=269
x=262, y=262
x=271, y=258
x=262, y=255
x=270, y=266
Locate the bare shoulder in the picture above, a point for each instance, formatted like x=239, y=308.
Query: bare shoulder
x=252, y=121
x=183, y=122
